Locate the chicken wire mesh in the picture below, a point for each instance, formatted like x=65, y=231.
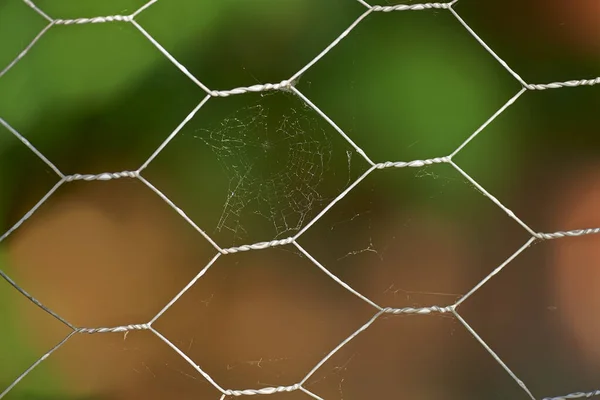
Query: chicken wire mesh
x=303, y=222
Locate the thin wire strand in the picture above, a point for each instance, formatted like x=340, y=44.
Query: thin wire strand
x=185, y=289
x=339, y=346
x=34, y=300
x=494, y=272
x=170, y=57
x=31, y=147
x=494, y=355
x=331, y=46
x=358, y=149
x=35, y=364
x=26, y=50
x=38, y=10
x=336, y=279
x=33, y=210
x=311, y=394
x=143, y=8
x=189, y=360
x=489, y=121
x=183, y=123
x=334, y=202
x=180, y=212
x=494, y=199
x=485, y=46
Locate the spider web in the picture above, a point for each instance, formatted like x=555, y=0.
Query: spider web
x=277, y=162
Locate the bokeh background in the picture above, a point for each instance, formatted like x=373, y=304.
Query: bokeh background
x=403, y=85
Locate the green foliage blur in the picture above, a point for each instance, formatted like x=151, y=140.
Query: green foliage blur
x=404, y=86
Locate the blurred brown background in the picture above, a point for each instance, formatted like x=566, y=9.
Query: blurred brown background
x=250, y=168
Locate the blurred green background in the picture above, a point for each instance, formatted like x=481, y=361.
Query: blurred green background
x=403, y=85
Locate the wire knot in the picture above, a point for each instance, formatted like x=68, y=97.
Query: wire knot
x=267, y=390
x=412, y=164
x=412, y=7
x=258, y=246
x=124, y=328
x=105, y=176
x=421, y=310
x=95, y=20
x=283, y=85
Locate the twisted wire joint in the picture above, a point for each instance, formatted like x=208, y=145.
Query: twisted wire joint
x=124, y=328
x=283, y=85
x=267, y=390
x=414, y=163
x=558, y=85
x=412, y=7
x=562, y=234
x=578, y=395
x=258, y=246
x=105, y=176
x=95, y=20
x=421, y=310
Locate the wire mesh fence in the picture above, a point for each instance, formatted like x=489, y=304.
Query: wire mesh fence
x=289, y=86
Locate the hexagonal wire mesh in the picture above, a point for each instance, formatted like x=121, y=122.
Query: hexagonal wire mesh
x=374, y=167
